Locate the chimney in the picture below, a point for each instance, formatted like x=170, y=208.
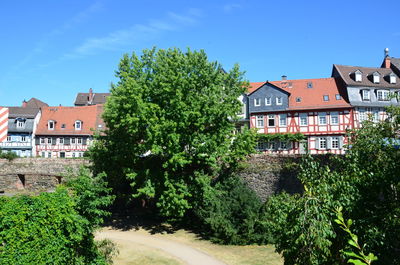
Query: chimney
x=283, y=81
x=90, y=95
x=386, y=62
x=24, y=103
x=284, y=78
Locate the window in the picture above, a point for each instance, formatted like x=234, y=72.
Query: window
x=322, y=119
x=271, y=145
x=73, y=140
x=392, y=78
x=271, y=120
x=73, y=154
x=358, y=76
x=61, y=141
x=365, y=94
x=361, y=115
x=9, y=139
x=257, y=102
x=43, y=154
x=282, y=120
x=20, y=124
x=78, y=125
x=268, y=101
x=335, y=142
x=50, y=125
x=375, y=115
x=338, y=97
x=261, y=145
x=23, y=138
x=63, y=126
x=49, y=154
x=309, y=85
x=79, y=141
x=376, y=78
x=383, y=95
x=334, y=118
x=298, y=99
x=283, y=145
x=260, y=121
x=326, y=97
x=49, y=140
x=303, y=119
x=62, y=154
x=322, y=143
x=278, y=100
x=42, y=140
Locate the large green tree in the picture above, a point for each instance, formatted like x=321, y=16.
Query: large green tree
x=170, y=120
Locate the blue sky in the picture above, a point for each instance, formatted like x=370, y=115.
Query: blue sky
x=52, y=50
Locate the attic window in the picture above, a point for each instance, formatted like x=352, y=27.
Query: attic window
x=376, y=78
x=298, y=99
x=50, y=125
x=358, y=76
x=63, y=126
x=392, y=78
x=309, y=85
x=326, y=97
x=78, y=125
x=20, y=123
x=338, y=97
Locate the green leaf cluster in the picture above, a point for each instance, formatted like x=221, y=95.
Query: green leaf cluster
x=45, y=229
x=170, y=120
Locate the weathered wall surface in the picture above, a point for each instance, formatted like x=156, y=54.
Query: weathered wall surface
x=268, y=175
x=35, y=174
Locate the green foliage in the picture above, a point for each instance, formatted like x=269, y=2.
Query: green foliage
x=45, y=229
x=107, y=249
x=365, y=182
x=91, y=195
x=230, y=213
x=360, y=257
x=169, y=120
x=8, y=155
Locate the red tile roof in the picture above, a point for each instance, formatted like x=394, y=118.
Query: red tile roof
x=310, y=97
x=66, y=117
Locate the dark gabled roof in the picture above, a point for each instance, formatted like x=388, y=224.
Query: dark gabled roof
x=83, y=99
x=35, y=103
x=346, y=73
x=256, y=87
x=395, y=62
x=28, y=128
x=16, y=112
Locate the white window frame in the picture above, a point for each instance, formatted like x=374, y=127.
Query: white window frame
x=9, y=138
x=49, y=140
x=366, y=95
x=358, y=76
x=303, y=117
x=73, y=140
x=320, y=116
x=51, y=125
x=20, y=124
x=42, y=140
x=335, y=140
x=283, y=145
x=279, y=101
x=382, y=95
x=392, y=79
x=61, y=140
x=376, y=78
x=282, y=120
x=271, y=117
x=78, y=125
x=260, y=121
x=257, y=102
x=375, y=115
x=362, y=115
x=79, y=140
x=268, y=101
x=336, y=116
x=323, y=140
x=23, y=138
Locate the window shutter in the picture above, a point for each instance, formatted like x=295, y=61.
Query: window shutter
x=317, y=143
x=84, y=141
x=340, y=142
x=37, y=140
x=328, y=142
x=54, y=141
x=289, y=145
x=67, y=141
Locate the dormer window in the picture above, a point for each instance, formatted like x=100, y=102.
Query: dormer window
x=20, y=123
x=268, y=101
x=392, y=78
x=78, y=125
x=279, y=101
x=365, y=95
x=257, y=102
x=358, y=76
x=376, y=77
x=383, y=95
x=51, y=125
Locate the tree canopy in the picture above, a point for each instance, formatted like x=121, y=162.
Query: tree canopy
x=170, y=120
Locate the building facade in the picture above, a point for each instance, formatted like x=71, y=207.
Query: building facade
x=67, y=132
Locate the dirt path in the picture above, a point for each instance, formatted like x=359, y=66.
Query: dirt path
x=185, y=253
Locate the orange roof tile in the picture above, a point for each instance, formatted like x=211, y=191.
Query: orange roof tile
x=310, y=97
x=65, y=118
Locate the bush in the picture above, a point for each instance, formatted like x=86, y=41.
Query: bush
x=45, y=229
x=230, y=211
x=8, y=155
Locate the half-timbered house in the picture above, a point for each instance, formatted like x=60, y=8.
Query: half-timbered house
x=67, y=131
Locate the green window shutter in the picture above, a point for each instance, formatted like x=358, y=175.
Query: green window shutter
x=328, y=142
x=317, y=143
